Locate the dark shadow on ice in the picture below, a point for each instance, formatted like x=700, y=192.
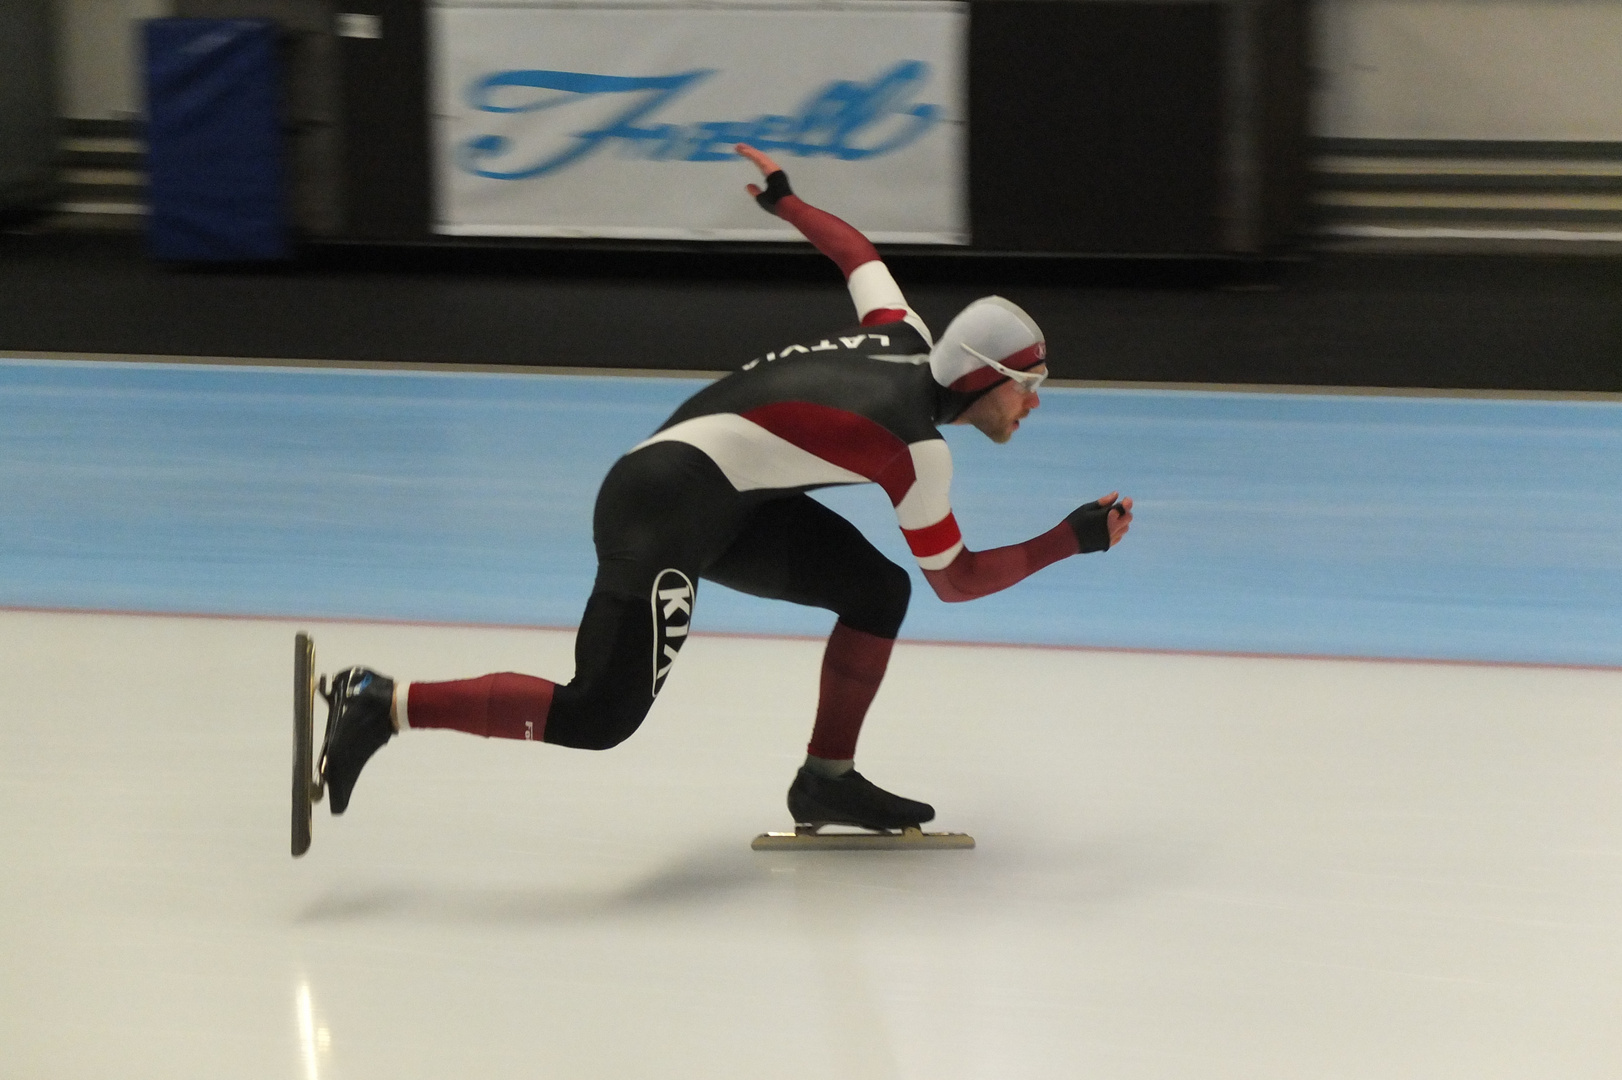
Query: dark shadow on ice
x=1088, y=872
x=700, y=877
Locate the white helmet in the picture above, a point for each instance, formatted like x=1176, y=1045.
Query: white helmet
x=988, y=341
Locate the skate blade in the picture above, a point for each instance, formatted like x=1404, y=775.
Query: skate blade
x=307, y=789
x=910, y=839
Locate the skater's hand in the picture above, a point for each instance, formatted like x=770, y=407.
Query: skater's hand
x=765, y=164
x=1102, y=523
x=776, y=188
x=1120, y=516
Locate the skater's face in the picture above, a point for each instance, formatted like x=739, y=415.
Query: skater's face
x=998, y=413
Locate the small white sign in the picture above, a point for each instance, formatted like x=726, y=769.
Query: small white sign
x=355, y=25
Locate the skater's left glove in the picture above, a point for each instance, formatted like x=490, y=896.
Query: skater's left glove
x=776, y=188
x=1090, y=523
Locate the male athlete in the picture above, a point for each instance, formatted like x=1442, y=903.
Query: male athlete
x=719, y=493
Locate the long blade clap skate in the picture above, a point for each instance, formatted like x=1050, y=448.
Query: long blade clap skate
x=307, y=786
x=358, y=724
x=805, y=837
x=883, y=821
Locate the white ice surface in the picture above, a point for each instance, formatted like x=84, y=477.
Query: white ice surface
x=1188, y=867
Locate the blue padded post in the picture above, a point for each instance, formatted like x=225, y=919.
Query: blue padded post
x=214, y=140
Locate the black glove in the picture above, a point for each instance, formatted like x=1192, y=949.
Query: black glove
x=1090, y=523
x=776, y=188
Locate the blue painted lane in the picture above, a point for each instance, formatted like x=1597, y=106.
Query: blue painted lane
x=1326, y=525
x=1437, y=528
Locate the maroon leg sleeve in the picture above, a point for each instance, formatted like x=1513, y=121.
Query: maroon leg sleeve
x=504, y=706
x=852, y=668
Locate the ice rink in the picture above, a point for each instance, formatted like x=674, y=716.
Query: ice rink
x=1395, y=853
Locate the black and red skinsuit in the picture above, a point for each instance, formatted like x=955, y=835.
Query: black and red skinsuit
x=718, y=493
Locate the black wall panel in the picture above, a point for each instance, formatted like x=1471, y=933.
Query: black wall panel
x=28, y=126
x=385, y=123
x=1283, y=93
x=1096, y=126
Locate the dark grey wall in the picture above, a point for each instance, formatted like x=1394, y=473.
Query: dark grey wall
x=27, y=102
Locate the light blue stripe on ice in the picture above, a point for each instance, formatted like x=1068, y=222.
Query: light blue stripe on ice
x=1414, y=527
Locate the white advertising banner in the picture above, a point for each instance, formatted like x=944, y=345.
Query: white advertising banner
x=618, y=120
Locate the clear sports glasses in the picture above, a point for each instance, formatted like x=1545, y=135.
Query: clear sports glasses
x=1028, y=380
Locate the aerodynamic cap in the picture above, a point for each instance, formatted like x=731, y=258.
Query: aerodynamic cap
x=989, y=334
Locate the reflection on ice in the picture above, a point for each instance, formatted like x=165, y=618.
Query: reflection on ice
x=314, y=1040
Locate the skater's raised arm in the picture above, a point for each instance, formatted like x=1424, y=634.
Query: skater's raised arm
x=877, y=297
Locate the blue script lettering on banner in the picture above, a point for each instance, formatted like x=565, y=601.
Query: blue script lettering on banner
x=831, y=122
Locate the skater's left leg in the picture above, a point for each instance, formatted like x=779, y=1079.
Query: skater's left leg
x=796, y=549
x=853, y=666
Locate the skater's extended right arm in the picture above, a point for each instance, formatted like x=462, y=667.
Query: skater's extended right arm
x=877, y=297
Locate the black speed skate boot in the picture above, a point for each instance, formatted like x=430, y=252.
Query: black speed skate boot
x=357, y=725
x=852, y=799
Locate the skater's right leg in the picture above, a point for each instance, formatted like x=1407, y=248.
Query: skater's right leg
x=613, y=688
x=501, y=706
x=663, y=512
x=366, y=710
x=623, y=652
